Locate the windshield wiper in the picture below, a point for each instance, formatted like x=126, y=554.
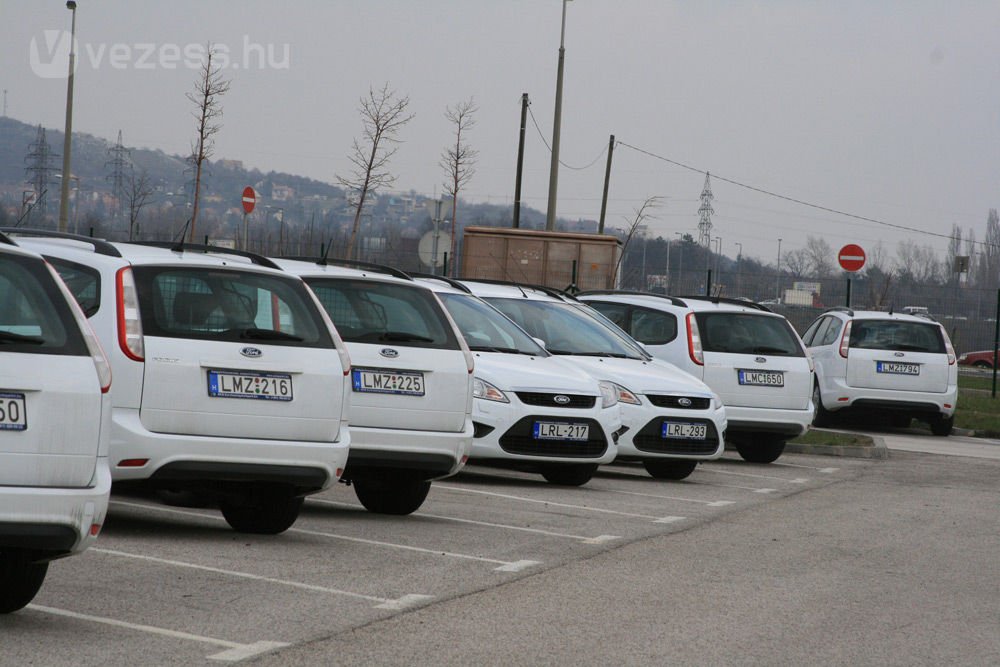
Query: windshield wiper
x=254, y=333
x=503, y=350
x=616, y=355
x=769, y=350
x=11, y=337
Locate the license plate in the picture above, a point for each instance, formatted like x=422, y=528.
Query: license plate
x=248, y=384
x=561, y=431
x=684, y=430
x=897, y=368
x=388, y=382
x=13, y=416
x=762, y=378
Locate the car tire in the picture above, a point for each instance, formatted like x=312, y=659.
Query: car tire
x=982, y=364
x=760, y=450
x=942, y=425
x=900, y=421
x=569, y=475
x=822, y=416
x=20, y=581
x=268, y=513
x=392, y=496
x=676, y=469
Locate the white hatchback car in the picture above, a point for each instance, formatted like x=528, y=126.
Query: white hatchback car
x=901, y=366
x=671, y=419
x=411, y=408
x=533, y=411
x=54, y=424
x=751, y=357
x=230, y=380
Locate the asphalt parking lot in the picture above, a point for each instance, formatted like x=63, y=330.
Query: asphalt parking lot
x=170, y=585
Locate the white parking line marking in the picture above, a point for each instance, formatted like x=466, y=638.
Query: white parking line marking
x=383, y=603
x=234, y=651
x=654, y=519
x=600, y=539
x=797, y=465
x=797, y=480
x=505, y=566
x=707, y=503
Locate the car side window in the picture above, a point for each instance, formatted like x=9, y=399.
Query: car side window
x=84, y=283
x=831, y=332
x=810, y=333
x=653, y=327
x=616, y=312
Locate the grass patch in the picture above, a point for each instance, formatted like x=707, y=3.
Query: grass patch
x=978, y=411
x=981, y=382
x=833, y=439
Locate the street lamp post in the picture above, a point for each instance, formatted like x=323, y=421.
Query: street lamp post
x=739, y=257
x=680, y=261
x=777, y=280
x=550, y=215
x=68, y=130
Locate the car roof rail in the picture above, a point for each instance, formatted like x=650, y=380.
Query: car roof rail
x=445, y=279
x=733, y=301
x=100, y=246
x=550, y=291
x=352, y=264
x=254, y=258
x=840, y=309
x=624, y=292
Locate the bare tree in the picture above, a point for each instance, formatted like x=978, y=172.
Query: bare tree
x=458, y=163
x=208, y=90
x=820, y=256
x=383, y=115
x=138, y=189
x=642, y=214
x=796, y=262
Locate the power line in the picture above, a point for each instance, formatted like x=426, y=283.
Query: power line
x=793, y=199
x=542, y=137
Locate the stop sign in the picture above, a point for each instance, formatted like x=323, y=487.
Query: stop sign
x=249, y=199
x=851, y=257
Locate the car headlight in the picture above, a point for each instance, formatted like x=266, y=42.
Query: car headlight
x=609, y=394
x=624, y=395
x=486, y=391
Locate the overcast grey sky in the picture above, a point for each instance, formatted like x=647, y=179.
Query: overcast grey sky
x=888, y=110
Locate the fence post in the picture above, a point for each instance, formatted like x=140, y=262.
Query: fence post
x=848, y=304
x=708, y=284
x=996, y=341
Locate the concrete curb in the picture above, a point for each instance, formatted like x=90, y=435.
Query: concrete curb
x=877, y=451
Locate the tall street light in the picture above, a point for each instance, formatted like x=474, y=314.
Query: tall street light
x=680, y=261
x=550, y=215
x=68, y=131
x=777, y=280
x=739, y=256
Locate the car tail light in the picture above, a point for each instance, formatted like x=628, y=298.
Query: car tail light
x=947, y=346
x=94, y=347
x=129, y=321
x=845, y=339
x=694, y=341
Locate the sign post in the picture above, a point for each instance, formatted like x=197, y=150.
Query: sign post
x=852, y=259
x=249, y=201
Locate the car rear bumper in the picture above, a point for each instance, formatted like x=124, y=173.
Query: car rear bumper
x=54, y=522
x=200, y=456
x=639, y=419
x=791, y=423
x=915, y=402
x=424, y=454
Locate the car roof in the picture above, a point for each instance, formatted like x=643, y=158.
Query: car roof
x=687, y=303
x=882, y=315
x=317, y=269
x=510, y=290
x=442, y=285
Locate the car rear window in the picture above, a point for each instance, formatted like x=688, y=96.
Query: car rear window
x=228, y=305
x=34, y=315
x=372, y=311
x=897, y=335
x=747, y=333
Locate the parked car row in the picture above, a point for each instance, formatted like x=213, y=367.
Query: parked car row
x=248, y=383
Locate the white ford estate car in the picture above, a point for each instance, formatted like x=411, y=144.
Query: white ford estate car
x=411, y=382
x=230, y=380
x=532, y=411
x=901, y=367
x=54, y=424
x=671, y=419
x=751, y=357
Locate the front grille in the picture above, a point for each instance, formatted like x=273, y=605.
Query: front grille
x=649, y=439
x=697, y=402
x=549, y=400
x=519, y=440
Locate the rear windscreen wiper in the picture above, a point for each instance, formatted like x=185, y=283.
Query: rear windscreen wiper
x=403, y=337
x=11, y=337
x=268, y=334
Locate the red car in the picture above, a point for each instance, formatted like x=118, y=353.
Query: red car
x=980, y=359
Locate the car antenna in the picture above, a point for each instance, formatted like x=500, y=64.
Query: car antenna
x=179, y=246
x=326, y=253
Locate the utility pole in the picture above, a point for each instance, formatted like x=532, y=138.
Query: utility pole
x=520, y=163
x=550, y=215
x=607, y=181
x=68, y=130
x=777, y=280
x=4, y=102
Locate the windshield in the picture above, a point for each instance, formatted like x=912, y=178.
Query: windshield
x=486, y=329
x=565, y=329
x=372, y=311
x=228, y=305
x=897, y=335
x=34, y=315
x=747, y=333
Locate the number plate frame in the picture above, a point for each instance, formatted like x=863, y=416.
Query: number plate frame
x=563, y=431
x=217, y=388
x=745, y=381
x=886, y=368
x=417, y=380
x=669, y=431
x=8, y=398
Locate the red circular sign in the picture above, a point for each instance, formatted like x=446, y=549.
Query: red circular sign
x=851, y=257
x=249, y=199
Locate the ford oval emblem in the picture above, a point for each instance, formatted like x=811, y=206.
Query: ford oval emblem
x=761, y=360
x=252, y=352
x=684, y=402
x=388, y=352
x=561, y=400
x=899, y=354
